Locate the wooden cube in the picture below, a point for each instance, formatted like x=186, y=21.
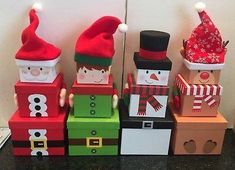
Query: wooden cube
x=39, y=99
x=198, y=135
x=91, y=100
x=198, y=100
x=38, y=136
x=144, y=136
x=200, y=76
x=153, y=99
x=93, y=136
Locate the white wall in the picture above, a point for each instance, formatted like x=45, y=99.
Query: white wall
x=62, y=21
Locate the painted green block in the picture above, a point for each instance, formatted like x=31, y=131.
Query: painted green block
x=83, y=134
x=92, y=105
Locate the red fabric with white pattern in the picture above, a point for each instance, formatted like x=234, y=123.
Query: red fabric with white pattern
x=205, y=44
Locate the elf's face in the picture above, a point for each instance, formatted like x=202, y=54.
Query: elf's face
x=205, y=76
x=92, y=76
x=38, y=74
x=152, y=77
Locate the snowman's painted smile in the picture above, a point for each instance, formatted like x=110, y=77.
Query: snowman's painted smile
x=148, y=82
x=98, y=81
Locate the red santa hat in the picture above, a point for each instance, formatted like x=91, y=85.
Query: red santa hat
x=95, y=46
x=35, y=51
x=205, y=49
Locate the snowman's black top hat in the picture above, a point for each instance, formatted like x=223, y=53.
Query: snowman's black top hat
x=152, y=53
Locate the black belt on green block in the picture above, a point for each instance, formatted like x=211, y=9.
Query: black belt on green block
x=93, y=142
x=38, y=144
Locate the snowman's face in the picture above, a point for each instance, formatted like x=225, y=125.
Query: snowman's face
x=92, y=76
x=152, y=77
x=38, y=74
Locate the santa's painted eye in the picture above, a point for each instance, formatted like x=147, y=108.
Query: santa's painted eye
x=28, y=68
x=85, y=71
x=147, y=72
x=159, y=72
x=41, y=69
x=199, y=71
x=212, y=71
x=102, y=71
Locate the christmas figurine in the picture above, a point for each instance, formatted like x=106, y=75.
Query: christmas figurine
x=41, y=88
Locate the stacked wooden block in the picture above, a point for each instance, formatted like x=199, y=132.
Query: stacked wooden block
x=37, y=127
x=199, y=126
x=147, y=124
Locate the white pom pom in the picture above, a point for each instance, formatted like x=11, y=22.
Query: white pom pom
x=123, y=27
x=200, y=6
x=37, y=6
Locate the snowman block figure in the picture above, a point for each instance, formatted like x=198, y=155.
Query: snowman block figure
x=197, y=91
x=148, y=88
x=40, y=90
x=93, y=54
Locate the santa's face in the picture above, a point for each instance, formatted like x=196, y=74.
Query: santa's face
x=92, y=76
x=38, y=74
x=152, y=77
x=205, y=76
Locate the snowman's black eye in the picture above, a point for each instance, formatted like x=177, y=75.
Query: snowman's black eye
x=159, y=72
x=212, y=71
x=147, y=72
x=85, y=71
x=41, y=68
x=199, y=71
x=28, y=68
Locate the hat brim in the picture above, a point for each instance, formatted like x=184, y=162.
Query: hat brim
x=201, y=66
x=45, y=63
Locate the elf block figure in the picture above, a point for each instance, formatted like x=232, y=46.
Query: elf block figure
x=147, y=88
x=41, y=90
x=197, y=91
x=93, y=93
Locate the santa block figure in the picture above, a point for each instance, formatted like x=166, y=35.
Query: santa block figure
x=41, y=90
x=197, y=91
x=147, y=87
x=93, y=93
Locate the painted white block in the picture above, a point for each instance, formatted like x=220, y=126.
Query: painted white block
x=145, y=141
x=150, y=111
x=152, y=77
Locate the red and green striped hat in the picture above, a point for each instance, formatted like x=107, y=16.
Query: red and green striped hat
x=95, y=46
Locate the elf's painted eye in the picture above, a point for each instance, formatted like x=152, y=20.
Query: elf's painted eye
x=212, y=71
x=147, y=72
x=159, y=72
x=199, y=71
x=85, y=71
x=41, y=68
x=102, y=71
x=28, y=68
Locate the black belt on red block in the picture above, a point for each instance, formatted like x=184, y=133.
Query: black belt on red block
x=93, y=142
x=27, y=144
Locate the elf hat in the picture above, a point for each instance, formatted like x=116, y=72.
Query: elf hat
x=35, y=51
x=204, y=50
x=95, y=46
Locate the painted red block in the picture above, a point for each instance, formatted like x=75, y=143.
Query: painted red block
x=39, y=99
x=38, y=136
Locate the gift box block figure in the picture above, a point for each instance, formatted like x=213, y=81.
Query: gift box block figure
x=93, y=54
x=93, y=136
x=148, y=89
x=41, y=90
x=198, y=135
x=38, y=136
x=144, y=136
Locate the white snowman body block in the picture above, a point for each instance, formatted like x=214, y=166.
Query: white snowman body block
x=152, y=77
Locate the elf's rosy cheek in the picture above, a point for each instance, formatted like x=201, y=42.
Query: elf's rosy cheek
x=142, y=77
x=82, y=76
x=105, y=76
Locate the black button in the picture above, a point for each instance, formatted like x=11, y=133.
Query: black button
x=39, y=153
x=92, y=104
x=36, y=100
x=37, y=134
x=37, y=107
x=38, y=114
x=92, y=112
x=92, y=97
x=93, y=151
x=93, y=132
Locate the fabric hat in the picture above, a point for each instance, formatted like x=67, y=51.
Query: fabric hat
x=35, y=51
x=204, y=49
x=95, y=46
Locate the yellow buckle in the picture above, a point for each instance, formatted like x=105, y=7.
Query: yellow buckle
x=38, y=144
x=92, y=142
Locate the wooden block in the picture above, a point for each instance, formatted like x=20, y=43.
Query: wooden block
x=38, y=136
x=154, y=99
x=38, y=74
x=200, y=76
x=39, y=100
x=198, y=100
x=144, y=136
x=198, y=135
x=98, y=136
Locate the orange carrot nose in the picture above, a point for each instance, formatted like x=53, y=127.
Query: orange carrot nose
x=154, y=77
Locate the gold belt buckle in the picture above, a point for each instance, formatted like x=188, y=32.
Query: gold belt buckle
x=38, y=144
x=92, y=142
